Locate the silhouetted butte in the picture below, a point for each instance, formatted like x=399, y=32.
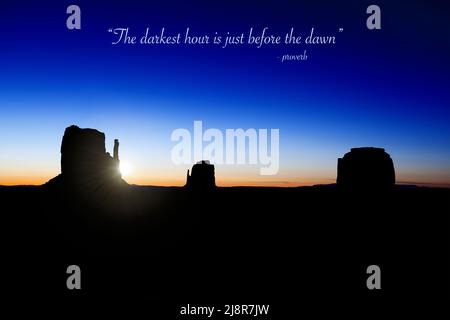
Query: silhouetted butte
x=366, y=167
x=202, y=176
x=85, y=164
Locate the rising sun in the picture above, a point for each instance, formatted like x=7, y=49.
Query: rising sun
x=125, y=168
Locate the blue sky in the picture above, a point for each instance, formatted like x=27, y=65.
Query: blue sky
x=385, y=88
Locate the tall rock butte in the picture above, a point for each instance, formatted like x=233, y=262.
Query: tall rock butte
x=366, y=167
x=85, y=162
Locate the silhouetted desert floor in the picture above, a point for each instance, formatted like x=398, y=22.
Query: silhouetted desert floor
x=249, y=245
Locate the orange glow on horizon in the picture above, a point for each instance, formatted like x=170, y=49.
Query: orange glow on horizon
x=224, y=182
x=36, y=181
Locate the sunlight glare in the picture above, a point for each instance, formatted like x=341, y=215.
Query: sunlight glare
x=125, y=168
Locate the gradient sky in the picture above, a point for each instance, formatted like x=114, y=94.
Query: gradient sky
x=387, y=88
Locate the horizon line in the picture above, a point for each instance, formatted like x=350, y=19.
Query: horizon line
x=262, y=185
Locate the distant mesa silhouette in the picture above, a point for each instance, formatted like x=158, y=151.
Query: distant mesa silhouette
x=366, y=167
x=85, y=162
x=202, y=176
